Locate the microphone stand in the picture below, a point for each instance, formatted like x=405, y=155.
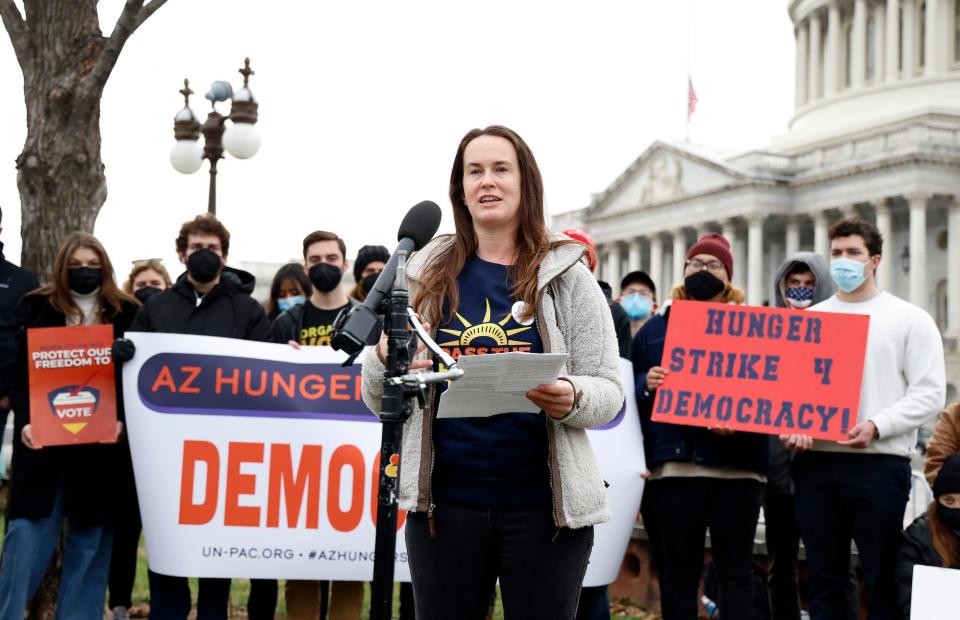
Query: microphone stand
x=400, y=387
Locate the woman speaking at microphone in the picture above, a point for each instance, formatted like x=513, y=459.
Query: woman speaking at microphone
x=77, y=482
x=513, y=496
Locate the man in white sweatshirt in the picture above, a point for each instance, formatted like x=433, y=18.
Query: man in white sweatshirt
x=857, y=489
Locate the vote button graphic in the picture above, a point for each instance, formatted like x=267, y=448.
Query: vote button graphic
x=74, y=406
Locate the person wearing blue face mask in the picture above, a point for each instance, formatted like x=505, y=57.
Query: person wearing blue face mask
x=638, y=297
x=290, y=287
x=857, y=489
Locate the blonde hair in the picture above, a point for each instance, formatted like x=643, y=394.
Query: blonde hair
x=139, y=266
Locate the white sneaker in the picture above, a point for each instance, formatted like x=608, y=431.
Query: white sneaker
x=121, y=613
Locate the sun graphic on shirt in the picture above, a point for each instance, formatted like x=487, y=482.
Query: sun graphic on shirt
x=485, y=329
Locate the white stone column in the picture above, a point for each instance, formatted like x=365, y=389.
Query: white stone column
x=831, y=63
x=885, y=226
x=803, y=54
x=611, y=271
x=932, y=50
x=814, y=60
x=909, y=37
x=633, y=258
x=858, y=55
x=918, y=249
x=656, y=263
x=821, y=244
x=755, y=288
x=892, y=40
x=792, y=237
x=679, y=254
x=738, y=249
x=879, y=42
x=953, y=268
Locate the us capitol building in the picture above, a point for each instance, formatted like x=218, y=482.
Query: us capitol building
x=876, y=133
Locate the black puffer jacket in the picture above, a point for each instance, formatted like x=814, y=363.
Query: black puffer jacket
x=88, y=472
x=915, y=548
x=227, y=310
x=14, y=284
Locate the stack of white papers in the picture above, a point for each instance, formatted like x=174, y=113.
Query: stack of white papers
x=498, y=383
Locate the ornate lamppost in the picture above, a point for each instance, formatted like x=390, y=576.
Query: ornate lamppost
x=240, y=138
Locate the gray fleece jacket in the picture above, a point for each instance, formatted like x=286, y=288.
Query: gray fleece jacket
x=572, y=318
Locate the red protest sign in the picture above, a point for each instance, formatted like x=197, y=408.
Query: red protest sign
x=73, y=396
x=762, y=370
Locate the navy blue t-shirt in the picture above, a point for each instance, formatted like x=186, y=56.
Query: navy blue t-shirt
x=500, y=460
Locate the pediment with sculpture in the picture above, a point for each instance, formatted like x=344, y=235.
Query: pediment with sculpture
x=664, y=173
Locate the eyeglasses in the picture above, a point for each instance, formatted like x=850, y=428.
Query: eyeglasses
x=697, y=265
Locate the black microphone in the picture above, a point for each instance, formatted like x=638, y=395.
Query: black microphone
x=361, y=326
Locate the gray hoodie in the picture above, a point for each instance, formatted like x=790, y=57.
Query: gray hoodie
x=821, y=271
x=778, y=480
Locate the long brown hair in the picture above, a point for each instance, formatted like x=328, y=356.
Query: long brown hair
x=111, y=298
x=945, y=542
x=439, y=281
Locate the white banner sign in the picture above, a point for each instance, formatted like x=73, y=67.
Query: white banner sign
x=257, y=460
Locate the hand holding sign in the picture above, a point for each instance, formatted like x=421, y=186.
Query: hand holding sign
x=72, y=386
x=763, y=370
x=655, y=377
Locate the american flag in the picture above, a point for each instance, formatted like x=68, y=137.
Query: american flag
x=691, y=98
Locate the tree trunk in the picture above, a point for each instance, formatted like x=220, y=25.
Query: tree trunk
x=66, y=62
x=59, y=173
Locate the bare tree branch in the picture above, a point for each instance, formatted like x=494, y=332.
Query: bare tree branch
x=17, y=29
x=132, y=17
x=149, y=9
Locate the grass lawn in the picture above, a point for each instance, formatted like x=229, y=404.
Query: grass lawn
x=240, y=590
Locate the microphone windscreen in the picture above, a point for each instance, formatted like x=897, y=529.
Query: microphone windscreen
x=420, y=223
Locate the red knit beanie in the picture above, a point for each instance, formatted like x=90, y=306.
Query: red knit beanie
x=714, y=244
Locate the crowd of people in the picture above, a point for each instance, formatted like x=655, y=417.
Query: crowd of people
x=512, y=498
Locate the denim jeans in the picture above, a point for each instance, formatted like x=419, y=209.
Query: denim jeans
x=455, y=568
x=843, y=497
x=685, y=508
x=27, y=548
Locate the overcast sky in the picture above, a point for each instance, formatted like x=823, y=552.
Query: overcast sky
x=362, y=105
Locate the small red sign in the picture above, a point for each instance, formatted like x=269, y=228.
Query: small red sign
x=762, y=370
x=73, y=398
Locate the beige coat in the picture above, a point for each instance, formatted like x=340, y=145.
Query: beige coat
x=945, y=441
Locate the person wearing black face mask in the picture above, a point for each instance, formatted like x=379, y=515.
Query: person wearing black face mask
x=934, y=538
x=147, y=278
x=76, y=483
x=702, y=478
x=370, y=261
x=208, y=300
x=311, y=324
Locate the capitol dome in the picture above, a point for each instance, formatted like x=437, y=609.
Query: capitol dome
x=863, y=63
